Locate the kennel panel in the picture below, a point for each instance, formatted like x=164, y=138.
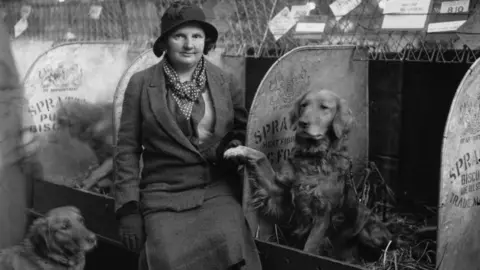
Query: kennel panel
x=85, y=73
x=459, y=211
x=98, y=210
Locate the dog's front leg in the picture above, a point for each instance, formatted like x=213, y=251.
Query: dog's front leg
x=98, y=174
x=259, y=165
x=316, y=238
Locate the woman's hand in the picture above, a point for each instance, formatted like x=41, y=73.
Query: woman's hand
x=233, y=144
x=131, y=231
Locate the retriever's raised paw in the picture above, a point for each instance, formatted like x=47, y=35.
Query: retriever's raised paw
x=243, y=154
x=237, y=154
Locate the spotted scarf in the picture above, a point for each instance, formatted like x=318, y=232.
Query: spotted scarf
x=186, y=93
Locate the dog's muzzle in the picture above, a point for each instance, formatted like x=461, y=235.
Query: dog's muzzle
x=89, y=242
x=307, y=136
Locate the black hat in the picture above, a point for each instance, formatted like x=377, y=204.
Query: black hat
x=178, y=14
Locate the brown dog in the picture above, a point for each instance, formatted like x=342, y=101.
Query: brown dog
x=58, y=241
x=312, y=188
x=92, y=124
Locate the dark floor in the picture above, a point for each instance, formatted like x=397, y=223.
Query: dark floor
x=110, y=257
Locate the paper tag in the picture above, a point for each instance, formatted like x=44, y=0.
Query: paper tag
x=407, y=14
x=404, y=21
x=298, y=12
x=281, y=23
x=310, y=27
x=341, y=8
x=455, y=6
x=69, y=35
x=444, y=26
x=20, y=26
x=95, y=12
x=407, y=6
x=25, y=11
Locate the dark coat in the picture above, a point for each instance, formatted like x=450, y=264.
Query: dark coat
x=172, y=166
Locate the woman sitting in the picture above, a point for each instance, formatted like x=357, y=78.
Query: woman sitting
x=181, y=115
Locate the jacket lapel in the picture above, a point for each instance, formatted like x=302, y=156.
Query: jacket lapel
x=156, y=95
x=216, y=84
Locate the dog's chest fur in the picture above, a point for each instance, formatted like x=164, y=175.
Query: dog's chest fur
x=23, y=257
x=318, y=185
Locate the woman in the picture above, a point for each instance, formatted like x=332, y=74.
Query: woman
x=181, y=115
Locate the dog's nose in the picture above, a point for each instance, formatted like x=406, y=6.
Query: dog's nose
x=302, y=124
x=92, y=239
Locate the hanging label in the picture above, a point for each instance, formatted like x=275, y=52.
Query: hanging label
x=310, y=27
x=69, y=35
x=297, y=12
x=444, y=26
x=95, y=12
x=341, y=8
x=406, y=14
x=455, y=6
x=20, y=27
x=281, y=23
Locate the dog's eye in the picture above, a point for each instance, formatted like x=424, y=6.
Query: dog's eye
x=323, y=107
x=66, y=225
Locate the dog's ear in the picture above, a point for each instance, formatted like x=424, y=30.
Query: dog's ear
x=294, y=114
x=343, y=118
x=37, y=233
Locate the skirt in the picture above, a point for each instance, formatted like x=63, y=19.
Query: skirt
x=213, y=236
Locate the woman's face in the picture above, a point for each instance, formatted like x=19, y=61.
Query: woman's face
x=185, y=45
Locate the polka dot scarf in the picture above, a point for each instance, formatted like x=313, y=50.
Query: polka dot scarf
x=186, y=93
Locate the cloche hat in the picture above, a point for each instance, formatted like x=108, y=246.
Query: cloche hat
x=178, y=14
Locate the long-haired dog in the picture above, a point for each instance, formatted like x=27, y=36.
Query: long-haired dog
x=80, y=151
x=93, y=125
x=312, y=190
x=57, y=241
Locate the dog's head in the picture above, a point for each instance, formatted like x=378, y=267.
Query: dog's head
x=61, y=235
x=87, y=121
x=321, y=114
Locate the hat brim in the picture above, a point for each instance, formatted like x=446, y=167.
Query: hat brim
x=211, y=33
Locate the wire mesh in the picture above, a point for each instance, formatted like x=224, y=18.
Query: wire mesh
x=243, y=27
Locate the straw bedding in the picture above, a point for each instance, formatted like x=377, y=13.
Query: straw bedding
x=413, y=227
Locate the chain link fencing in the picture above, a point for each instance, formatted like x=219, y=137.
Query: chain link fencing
x=244, y=27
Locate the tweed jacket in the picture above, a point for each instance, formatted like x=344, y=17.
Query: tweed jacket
x=174, y=174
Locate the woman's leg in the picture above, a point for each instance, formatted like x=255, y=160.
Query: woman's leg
x=142, y=260
x=214, y=236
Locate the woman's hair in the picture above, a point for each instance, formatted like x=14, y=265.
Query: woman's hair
x=210, y=44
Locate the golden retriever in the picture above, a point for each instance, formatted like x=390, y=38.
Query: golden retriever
x=57, y=241
x=312, y=190
x=92, y=124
